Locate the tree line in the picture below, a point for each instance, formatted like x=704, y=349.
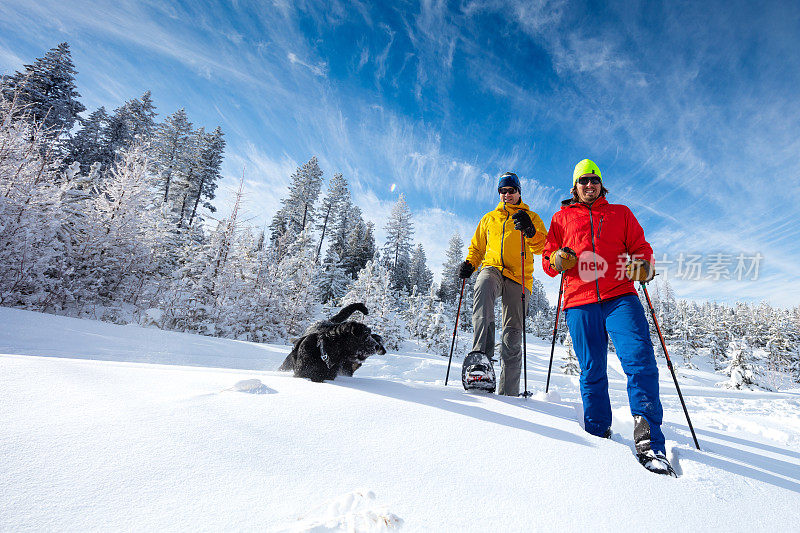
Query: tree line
x=110, y=217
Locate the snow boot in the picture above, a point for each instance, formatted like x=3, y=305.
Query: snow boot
x=477, y=373
x=656, y=462
x=641, y=434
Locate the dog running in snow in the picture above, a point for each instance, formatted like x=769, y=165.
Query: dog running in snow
x=334, y=346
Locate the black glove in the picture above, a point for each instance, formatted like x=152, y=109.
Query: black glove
x=465, y=270
x=524, y=223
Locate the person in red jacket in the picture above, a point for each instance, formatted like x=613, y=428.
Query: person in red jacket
x=600, y=250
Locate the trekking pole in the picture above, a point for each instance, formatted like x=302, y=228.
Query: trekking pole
x=555, y=329
x=452, y=345
x=669, y=362
x=526, y=393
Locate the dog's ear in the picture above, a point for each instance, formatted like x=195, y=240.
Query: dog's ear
x=354, y=329
x=379, y=349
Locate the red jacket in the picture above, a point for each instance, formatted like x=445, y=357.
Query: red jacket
x=603, y=236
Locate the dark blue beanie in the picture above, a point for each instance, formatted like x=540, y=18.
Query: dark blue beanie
x=509, y=179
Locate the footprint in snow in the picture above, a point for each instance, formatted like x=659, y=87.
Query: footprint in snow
x=356, y=511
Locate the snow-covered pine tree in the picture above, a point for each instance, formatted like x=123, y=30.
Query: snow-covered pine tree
x=538, y=300
x=206, y=279
x=171, y=148
x=373, y=288
x=740, y=370
x=717, y=335
x=450, y=287
x=465, y=319
x=299, y=274
x=113, y=251
x=46, y=92
x=360, y=248
x=411, y=312
x=419, y=322
x=207, y=170
x=397, y=248
x=439, y=337
x=684, y=334
x=184, y=185
x=298, y=208
x=570, y=366
x=336, y=216
x=86, y=146
x=333, y=281
x=421, y=275
x=141, y=119
x=539, y=324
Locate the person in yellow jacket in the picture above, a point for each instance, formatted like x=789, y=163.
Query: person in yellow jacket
x=496, y=249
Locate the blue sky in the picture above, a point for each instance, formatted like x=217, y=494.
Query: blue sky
x=690, y=108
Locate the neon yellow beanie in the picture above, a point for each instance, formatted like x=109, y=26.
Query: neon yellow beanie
x=587, y=166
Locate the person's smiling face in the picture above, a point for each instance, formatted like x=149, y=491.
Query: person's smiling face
x=509, y=195
x=588, y=188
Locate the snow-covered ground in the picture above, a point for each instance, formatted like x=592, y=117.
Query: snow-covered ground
x=106, y=427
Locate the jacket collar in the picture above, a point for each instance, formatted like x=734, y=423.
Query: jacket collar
x=570, y=202
x=512, y=207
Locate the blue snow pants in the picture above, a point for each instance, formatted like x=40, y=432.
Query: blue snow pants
x=623, y=319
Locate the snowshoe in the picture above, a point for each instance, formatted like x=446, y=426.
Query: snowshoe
x=656, y=462
x=477, y=372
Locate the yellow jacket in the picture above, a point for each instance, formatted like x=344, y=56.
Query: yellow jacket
x=496, y=243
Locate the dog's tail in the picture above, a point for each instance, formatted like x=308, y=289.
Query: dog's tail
x=348, y=310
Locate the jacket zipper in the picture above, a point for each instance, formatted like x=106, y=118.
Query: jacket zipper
x=594, y=253
x=502, y=238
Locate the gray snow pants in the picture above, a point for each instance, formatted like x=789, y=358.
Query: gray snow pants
x=489, y=283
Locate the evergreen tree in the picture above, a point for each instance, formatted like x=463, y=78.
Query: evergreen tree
x=439, y=337
x=45, y=91
x=570, y=366
x=298, y=275
x=538, y=299
x=333, y=280
x=206, y=171
x=113, y=251
x=397, y=248
x=465, y=319
x=360, y=248
x=421, y=315
x=86, y=146
x=450, y=287
x=336, y=214
x=741, y=373
x=172, y=150
x=140, y=118
x=421, y=275
x=297, y=212
x=373, y=288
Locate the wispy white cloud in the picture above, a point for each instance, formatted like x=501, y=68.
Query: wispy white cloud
x=319, y=69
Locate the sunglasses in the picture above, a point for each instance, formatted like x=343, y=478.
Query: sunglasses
x=586, y=180
x=507, y=190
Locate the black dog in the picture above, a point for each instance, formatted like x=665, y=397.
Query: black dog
x=332, y=347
